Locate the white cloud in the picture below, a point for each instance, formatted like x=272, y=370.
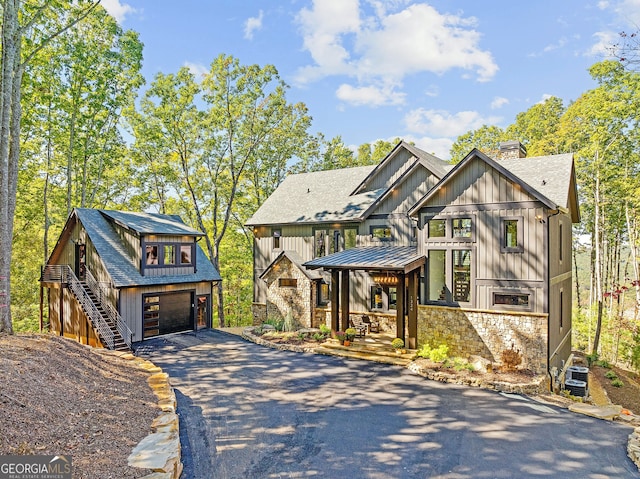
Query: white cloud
x=198, y=69
x=252, y=24
x=118, y=10
x=389, y=44
x=545, y=97
x=443, y=123
x=499, y=102
x=439, y=147
x=603, y=45
x=369, y=95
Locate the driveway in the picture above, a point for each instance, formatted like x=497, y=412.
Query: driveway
x=252, y=412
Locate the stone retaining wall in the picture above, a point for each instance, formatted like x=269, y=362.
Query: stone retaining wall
x=633, y=447
x=160, y=451
x=485, y=333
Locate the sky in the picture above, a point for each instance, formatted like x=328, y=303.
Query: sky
x=425, y=72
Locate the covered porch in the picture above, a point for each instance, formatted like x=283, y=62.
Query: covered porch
x=392, y=265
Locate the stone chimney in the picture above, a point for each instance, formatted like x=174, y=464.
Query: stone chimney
x=511, y=150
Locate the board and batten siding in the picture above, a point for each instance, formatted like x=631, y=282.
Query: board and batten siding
x=388, y=172
x=131, y=301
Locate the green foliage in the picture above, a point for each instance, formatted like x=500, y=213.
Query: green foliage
x=324, y=329
x=592, y=358
x=635, y=352
x=458, y=363
x=350, y=334
x=611, y=375
x=276, y=322
x=603, y=363
x=397, y=343
x=437, y=355
x=617, y=383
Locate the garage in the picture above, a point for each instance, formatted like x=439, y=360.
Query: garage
x=167, y=313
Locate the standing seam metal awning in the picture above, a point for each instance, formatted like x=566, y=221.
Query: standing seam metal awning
x=386, y=258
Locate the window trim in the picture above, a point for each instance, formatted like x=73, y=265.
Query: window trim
x=321, y=299
x=160, y=252
x=448, y=228
x=519, y=234
x=449, y=276
x=465, y=239
x=513, y=307
x=385, y=297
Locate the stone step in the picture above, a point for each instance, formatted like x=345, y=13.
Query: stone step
x=358, y=353
x=381, y=350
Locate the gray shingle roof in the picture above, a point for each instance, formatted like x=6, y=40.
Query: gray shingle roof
x=114, y=255
x=396, y=258
x=550, y=175
x=321, y=196
x=297, y=260
x=152, y=223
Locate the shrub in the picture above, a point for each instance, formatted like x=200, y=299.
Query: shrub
x=324, y=329
x=511, y=358
x=603, y=363
x=276, y=322
x=617, y=383
x=397, y=343
x=439, y=354
x=350, y=334
x=611, y=375
x=319, y=337
x=424, y=351
x=592, y=358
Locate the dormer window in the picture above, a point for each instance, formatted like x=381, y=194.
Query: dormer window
x=158, y=255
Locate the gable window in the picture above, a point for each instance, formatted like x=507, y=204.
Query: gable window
x=437, y=276
x=462, y=275
x=169, y=254
x=436, y=228
x=382, y=233
x=511, y=235
x=152, y=254
x=461, y=227
x=276, y=238
x=288, y=282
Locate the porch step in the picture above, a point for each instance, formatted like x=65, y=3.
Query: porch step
x=359, y=351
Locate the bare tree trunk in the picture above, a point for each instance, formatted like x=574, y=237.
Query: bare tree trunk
x=10, y=59
x=575, y=267
x=598, y=264
x=631, y=230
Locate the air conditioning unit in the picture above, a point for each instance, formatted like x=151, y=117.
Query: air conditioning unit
x=579, y=373
x=576, y=387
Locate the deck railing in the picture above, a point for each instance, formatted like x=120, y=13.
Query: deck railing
x=64, y=274
x=113, y=314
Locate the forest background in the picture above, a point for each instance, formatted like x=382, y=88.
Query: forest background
x=76, y=131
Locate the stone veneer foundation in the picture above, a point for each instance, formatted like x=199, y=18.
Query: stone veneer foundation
x=486, y=333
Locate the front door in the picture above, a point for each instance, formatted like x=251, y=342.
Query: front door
x=203, y=315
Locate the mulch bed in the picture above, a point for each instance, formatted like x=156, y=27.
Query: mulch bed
x=59, y=397
x=628, y=395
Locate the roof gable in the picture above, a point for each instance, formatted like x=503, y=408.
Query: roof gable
x=553, y=177
x=296, y=260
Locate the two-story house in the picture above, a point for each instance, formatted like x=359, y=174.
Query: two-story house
x=476, y=255
x=117, y=277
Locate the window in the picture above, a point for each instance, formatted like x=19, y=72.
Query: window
x=462, y=275
x=382, y=233
x=319, y=243
x=151, y=316
x=185, y=254
x=512, y=299
x=511, y=235
x=288, y=282
x=437, y=228
x=276, y=234
x=158, y=255
x=169, y=254
x=436, y=276
x=152, y=254
x=561, y=308
x=461, y=227
x=323, y=293
x=350, y=238
x=560, y=242
x=384, y=297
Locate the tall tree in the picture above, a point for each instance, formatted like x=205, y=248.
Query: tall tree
x=216, y=135
x=486, y=139
x=35, y=24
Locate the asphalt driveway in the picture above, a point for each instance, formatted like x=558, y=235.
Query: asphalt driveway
x=252, y=412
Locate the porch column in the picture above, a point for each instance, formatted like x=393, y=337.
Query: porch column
x=412, y=295
x=400, y=333
x=335, y=299
x=344, y=298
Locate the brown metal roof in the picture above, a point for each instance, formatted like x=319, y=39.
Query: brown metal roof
x=385, y=258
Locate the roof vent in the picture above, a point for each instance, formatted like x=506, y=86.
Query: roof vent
x=511, y=149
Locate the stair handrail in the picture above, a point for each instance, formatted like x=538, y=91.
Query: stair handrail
x=114, y=316
x=68, y=276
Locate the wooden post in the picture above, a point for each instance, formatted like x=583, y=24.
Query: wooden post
x=400, y=332
x=344, y=297
x=335, y=299
x=413, y=310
